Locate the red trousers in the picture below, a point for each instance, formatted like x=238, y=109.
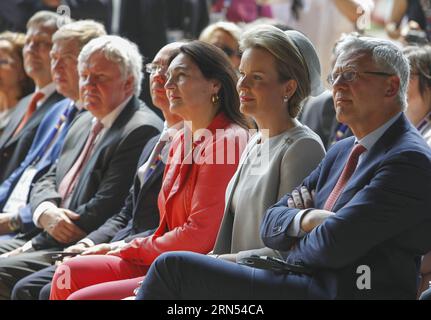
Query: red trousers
x=99, y=277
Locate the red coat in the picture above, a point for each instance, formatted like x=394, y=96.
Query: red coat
x=191, y=201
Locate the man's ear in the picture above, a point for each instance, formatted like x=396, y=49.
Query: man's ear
x=393, y=86
x=129, y=85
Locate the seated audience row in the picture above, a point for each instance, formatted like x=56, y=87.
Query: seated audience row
x=231, y=178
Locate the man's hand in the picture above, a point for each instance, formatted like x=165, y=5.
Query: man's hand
x=302, y=199
x=314, y=218
x=59, y=224
x=4, y=223
x=12, y=253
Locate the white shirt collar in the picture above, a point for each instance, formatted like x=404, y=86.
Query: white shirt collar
x=110, y=118
x=370, y=139
x=169, y=133
x=78, y=104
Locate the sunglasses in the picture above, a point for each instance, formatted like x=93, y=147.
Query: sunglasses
x=230, y=52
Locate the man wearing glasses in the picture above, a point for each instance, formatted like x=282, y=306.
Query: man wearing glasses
x=358, y=223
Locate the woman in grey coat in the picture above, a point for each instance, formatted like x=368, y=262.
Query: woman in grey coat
x=278, y=71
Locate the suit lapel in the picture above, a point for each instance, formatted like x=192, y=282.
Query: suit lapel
x=177, y=176
x=111, y=134
x=364, y=171
x=73, y=144
x=145, y=156
x=141, y=191
x=108, y=139
x=37, y=116
x=17, y=115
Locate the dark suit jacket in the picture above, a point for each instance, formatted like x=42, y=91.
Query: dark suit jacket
x=144, y=22
x=105, y=180
x=382, y=219
x=42, y=133
x=319, y=115
x=140, y=213
x=13, y=150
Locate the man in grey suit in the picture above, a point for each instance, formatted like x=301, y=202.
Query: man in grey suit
x=17, y=137
x=85, y=187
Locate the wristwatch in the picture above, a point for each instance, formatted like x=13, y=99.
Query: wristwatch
x=14, y=223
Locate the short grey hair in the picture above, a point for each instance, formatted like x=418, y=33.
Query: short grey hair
x=83, y=31
x=385, y=54
x=47, y=19
x=120, y=51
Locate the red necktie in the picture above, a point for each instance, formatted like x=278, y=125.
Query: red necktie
x=30, y=110
x=348, y=170
x=70, y=179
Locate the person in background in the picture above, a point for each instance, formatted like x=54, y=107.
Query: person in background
x=14, y=82
x=68, y=41
x=419, y=113
x=90, y=181
x=322, y=21
x=18, y=135
x=239, y=11
x=419, y=92
x=224, y=35
x=277, y=72
x=203, y=158
x=417, y=29
x=139, y=215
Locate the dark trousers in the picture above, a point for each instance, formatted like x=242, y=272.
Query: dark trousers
x=14, y=268
x=185, y=275
x=36, y=286
x=7, y=245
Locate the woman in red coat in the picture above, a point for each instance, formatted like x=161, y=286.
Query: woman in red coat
x=203, y=158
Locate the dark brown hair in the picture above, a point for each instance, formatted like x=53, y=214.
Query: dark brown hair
x=17, y=40
x=420, y=63
x=214, y=64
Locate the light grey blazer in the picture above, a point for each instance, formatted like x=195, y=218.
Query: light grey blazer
x=285, y=160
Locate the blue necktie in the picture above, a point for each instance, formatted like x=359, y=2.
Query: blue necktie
x=65, y=118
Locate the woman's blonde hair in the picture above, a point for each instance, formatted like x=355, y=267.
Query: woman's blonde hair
x=290, y=63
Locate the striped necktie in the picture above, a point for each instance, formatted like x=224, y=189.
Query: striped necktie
x=69, y=181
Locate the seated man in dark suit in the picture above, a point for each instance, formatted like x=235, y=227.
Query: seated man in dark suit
x=17, y=137
x=139, y=216
x=91, y=179
x=357, y=225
